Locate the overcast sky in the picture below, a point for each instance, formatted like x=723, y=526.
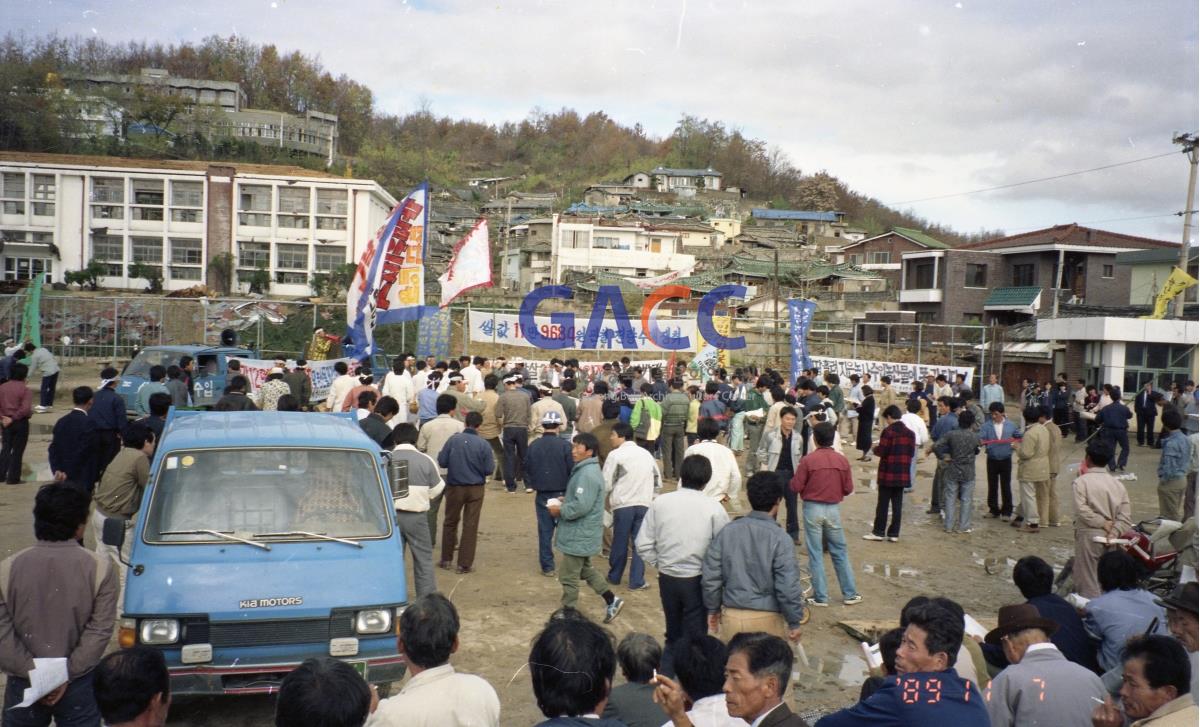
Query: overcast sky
x=903, y=100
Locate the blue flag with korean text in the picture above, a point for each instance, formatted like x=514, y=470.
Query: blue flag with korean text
x=389, y=283
x=433, y=335
x=800, y=315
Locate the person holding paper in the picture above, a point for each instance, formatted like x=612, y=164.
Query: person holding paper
x=58, y=602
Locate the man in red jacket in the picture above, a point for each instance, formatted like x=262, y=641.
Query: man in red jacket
x=821, y=480
x=895, y=452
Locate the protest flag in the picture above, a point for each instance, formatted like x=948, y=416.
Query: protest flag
x=470, y=264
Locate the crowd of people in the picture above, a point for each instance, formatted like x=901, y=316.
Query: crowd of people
x=629, y=467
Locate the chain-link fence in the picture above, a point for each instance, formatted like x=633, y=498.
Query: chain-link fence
x=113, y=328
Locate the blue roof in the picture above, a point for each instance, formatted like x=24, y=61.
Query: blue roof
x=803, y=215
x=214, y=429
x=583, y=208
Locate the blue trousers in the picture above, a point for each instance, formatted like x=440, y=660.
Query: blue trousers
x=77, y=708
x=1117, y=437
x=516, y=447
x=823, y=523
x=627, y=521
x=545, y=529
x=46, y=393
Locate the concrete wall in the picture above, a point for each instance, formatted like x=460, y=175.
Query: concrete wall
x=960, y=302
x=219, y=219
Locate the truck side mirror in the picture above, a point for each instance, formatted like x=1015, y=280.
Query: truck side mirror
x=398, y=476
x=113, y=534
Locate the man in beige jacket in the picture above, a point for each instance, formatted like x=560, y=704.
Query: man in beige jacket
x=1033, y=469
x=1101, y=508
x=1048, y=498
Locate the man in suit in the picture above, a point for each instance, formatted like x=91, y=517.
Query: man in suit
x=1146, y=410
x=756, y=679
x=1041, y=686
x=74, y=452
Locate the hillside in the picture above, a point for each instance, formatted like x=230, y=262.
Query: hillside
x=561, y=151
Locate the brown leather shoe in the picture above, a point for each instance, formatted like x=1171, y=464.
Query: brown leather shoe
x=446, y=565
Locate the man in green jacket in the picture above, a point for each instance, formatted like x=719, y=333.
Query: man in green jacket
x=646, y=419
x=580, y=524
x=675, y=406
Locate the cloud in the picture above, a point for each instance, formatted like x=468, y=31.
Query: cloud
x=900, y=100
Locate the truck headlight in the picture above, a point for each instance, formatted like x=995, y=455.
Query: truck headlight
x=159, y=631
x=373, y=621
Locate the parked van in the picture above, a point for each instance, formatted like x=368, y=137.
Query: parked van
x=208, y=374
x=263, y=539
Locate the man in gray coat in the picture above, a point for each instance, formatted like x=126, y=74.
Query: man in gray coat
x=1040, y=687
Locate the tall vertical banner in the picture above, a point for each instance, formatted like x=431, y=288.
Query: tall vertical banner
x=31, y=317
x=800, y=315
x=389, y=283
x=433, y=334
x=470, y=264
x=722, y=324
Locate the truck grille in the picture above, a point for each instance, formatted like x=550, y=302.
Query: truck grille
x=269, y=633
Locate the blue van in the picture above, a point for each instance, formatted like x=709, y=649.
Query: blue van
x=208, y=373
x=263, y=539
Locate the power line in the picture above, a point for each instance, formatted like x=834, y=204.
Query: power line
x=1032, y=181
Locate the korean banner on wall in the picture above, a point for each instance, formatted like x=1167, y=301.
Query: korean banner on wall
x=321, y=374
x=433, y=334
x=505, y=328
x=903, y=374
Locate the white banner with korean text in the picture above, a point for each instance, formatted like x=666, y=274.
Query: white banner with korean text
x=321, y=374
x=505, y=328
x=902, y=374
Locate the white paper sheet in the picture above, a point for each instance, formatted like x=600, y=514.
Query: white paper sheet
x=973, y=627
x=46, y=676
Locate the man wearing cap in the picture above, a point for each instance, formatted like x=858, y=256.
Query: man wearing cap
x=273, y=388
x=108, y=414
x=1182, y=622
x=463, y=402
x=1040, y=687
x=513, y=414
x=539, y=409
x=547, y=470
x=300, y=385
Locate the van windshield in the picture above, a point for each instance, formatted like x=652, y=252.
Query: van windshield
x=140, y=365
x=248, y=492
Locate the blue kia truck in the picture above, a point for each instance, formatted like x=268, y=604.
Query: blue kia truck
x=208, y=373
x=263, y=539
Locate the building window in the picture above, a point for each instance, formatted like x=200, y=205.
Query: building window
x=147, y=250
x=186, y=251
x=576, y=239
x=331, y=202
x=43, y=195
x=1024, y=274
x=187, y=194
x=329, y=257
x=178, y=215
x=26, y=268
x=922, y=277
x=331, y=223
x=109, y=249
x=107, y=212
x=606, y=243
x=291, y=278
x=854, y=259
x=293, y=222
x=881, y=258
x=254, y=254
x=1106, y=271
x=1160, y=363
x=12, y=187
x=254, y=205
x=976, y=276
x=109, y=190
x=148, y=192
x=291, y=257
x=925, y=316
x=294, y=200
x=186, y=273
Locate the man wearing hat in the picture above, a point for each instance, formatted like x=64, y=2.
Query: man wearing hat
x=1040, y=687
x=513, y=413
x=547, y=470
x=1182, y=622
x=464, y=402
x=273, y=388
x=538, y=411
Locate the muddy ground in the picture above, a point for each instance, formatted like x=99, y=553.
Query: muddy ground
x=503, y=604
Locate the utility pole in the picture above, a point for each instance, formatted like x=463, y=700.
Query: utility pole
x=776, y=337
x=1188, y=141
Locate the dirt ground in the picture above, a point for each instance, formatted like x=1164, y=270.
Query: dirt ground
x=505, y=602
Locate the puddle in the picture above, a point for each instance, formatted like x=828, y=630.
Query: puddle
x=887, y=570
x=848, y=670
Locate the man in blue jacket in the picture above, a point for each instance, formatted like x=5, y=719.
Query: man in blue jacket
x=548, y=465
x=925, y=692
x=997, y=436
x=581, y=526
x=1114, y=429
x=468, y=461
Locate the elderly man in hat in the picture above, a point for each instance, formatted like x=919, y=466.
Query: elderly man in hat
x=538, y=412
x=1040, y=687
x=1182, y=622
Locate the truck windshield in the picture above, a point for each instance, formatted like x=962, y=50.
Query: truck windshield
x=140, y=365
x=248, y=492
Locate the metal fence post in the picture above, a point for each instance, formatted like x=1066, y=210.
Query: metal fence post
x=920, y=330
x=952, y=358
x=854, y=341
x=116, y=328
